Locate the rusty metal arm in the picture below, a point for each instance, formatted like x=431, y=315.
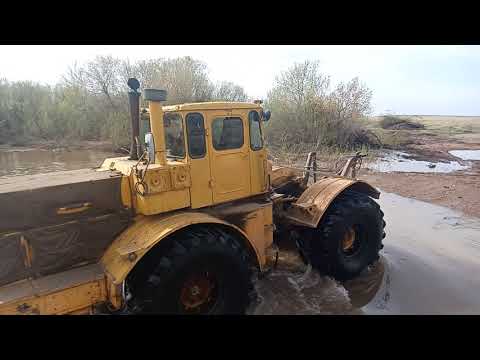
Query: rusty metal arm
x=352, y=165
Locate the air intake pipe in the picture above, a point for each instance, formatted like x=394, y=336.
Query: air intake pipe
x=155, y=98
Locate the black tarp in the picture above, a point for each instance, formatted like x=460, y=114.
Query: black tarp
x=36, y=240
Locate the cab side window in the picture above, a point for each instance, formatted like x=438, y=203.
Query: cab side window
x=256, y=141
x=174, y=141
x=196, y=135
x=227, y=133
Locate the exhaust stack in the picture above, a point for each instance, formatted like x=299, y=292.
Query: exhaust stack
x=134, y=101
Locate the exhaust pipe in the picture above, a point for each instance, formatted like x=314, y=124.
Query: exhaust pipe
x=134, y=101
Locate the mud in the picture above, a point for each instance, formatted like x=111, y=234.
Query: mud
x=458, y=191
x=426, y=267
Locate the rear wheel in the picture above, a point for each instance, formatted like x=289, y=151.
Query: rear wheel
x=348, y=238
x=203, y=271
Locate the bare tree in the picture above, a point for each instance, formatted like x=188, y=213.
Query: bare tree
x=228, y=91
x=305, y=111
x=352, y=99
x=301, y=85
x=90, y=102
x=102, y=76
x=185, y=79
x=297, y=99
x=146, y=71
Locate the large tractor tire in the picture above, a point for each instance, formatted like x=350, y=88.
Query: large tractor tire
x=203, y=270
x=348, y=238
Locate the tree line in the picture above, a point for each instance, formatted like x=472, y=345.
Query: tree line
x=90, y=102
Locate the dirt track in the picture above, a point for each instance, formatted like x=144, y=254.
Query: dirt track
x=456, y=191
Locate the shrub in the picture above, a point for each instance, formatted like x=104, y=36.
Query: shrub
x=304, y=110
x=399, y=123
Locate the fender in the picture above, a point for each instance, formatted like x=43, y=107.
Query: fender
x=131, y=245
x=315, y=200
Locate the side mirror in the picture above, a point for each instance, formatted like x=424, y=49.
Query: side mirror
x=150, y=147
x=266, y=115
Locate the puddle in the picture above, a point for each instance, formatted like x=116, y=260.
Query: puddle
x=466, y=154
x=426, y=267
x=397, y=161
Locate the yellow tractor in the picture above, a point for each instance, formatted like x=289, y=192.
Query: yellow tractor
x=183, y=224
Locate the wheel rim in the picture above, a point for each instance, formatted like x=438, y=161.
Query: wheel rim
x=199, y=293
x=351, y=241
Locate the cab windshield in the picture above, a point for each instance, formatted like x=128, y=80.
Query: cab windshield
x=174, y=140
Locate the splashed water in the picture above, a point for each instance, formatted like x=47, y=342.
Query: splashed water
x=296, y=289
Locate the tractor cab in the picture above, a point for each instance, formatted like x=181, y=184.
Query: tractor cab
x=194, y=155
x=222, y=144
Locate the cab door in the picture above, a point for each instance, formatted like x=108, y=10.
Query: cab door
x=201, y=190
x=229, y=156
x=258, y=154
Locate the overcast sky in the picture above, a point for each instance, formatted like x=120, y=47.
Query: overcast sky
x=428, y=80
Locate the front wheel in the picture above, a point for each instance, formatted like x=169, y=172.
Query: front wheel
x=348, y=238
x=203, y=271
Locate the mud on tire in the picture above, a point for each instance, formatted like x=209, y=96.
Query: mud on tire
x=325, y=247
x=203, y=270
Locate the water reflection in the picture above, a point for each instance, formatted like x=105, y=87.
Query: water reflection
x=31, y=161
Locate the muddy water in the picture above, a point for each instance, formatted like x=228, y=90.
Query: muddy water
x=397, y=161
x=428, y=266
x=466, y=154
x=33, y=161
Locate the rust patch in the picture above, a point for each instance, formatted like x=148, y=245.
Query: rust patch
x=28, y=252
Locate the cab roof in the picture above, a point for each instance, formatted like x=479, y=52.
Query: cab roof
x=214, y=105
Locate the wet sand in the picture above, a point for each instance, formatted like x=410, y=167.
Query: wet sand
x=458, y=191
x=428, y=266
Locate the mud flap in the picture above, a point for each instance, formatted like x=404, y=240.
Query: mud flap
x=314, y=202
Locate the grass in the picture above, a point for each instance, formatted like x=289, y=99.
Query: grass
x=460, y=128
x=451, y=125
x=394, y=139
x=437, y=123
x=329, y=159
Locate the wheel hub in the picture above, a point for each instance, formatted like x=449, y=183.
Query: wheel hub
x=197, y=292
x=348, y=241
